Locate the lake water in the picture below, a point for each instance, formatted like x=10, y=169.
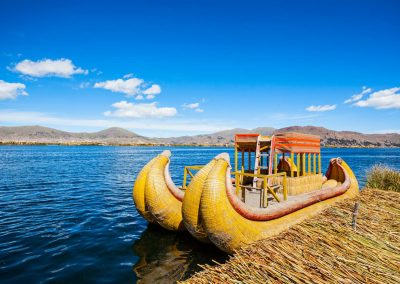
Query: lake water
x=67, y=215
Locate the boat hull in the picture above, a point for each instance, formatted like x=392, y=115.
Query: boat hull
x=156, y=198
x=230, y=226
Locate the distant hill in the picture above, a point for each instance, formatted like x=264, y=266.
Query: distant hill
x=120, y=136
x=45, y=135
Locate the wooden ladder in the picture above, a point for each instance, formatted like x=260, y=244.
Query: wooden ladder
x=257, y=161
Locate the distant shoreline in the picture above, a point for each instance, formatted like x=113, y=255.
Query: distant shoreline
x=167, y=145
x=114, y=136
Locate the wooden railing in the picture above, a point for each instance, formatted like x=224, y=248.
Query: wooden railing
x=267, y=187
x=187, y=173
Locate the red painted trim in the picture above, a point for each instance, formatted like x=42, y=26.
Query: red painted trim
x=289, y=139
x=247, y=135
x=256, y=214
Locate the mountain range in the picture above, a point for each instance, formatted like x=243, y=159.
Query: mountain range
x=120, y=136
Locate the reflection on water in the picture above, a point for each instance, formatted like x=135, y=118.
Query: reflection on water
x=166, y=257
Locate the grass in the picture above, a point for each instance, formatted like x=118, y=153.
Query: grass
x=383, y=177
x=324, y=249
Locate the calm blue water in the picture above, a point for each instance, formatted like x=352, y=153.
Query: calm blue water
x=66, y=214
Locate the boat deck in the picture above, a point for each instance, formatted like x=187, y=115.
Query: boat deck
x=253, y=198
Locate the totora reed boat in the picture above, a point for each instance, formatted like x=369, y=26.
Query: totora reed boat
x=277, y=183
x=156, y=196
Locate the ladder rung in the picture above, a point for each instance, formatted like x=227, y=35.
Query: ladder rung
x=250, y=187
x=262, y=167
x=275, y=187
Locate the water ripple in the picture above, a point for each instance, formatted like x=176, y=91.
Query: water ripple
x=67, y=214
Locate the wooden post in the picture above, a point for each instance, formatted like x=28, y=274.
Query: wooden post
x=298, y=165
x=242, y=158
x=291, y=163
x=275, y=163
x=265, y=193
x=284, y=188
x=315, y=163
x=303, y=158
x=236, y=158
x=309, y=163
x=319, y=162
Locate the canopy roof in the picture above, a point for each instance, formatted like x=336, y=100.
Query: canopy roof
x=290, y=142
x=248, y=142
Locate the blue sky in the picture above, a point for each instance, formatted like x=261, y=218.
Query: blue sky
x=165, y=68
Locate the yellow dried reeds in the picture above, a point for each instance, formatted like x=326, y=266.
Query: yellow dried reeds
x=383, y=177
x=323, y=249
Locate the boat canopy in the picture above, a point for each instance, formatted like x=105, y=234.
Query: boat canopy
x=248, y=142
x=289, y=142
x=292, y=142
x=299, y=153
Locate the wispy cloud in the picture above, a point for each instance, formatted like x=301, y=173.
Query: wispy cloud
x=384, y=99
x=47, y=68
x=358, y=96
x=11, y=90
x=126, y=109
x=127, y=76
x=321, y=108
x=193, y=106
x=152, y=91
x=84, y=85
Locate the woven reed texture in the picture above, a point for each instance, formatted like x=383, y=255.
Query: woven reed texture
x=303, y=184
x=138, y=192
x=191, y=204
x=229, y=230
x=153, y=198
x=323, y=249
x=165, y=208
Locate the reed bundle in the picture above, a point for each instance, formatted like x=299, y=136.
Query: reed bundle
x=383, y=177
x=323, y=249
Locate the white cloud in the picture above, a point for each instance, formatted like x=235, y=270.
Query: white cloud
x=358, y=96
x=47, y=67
x=127, y=76
x=384, y=99
x=125, y=109
x=152, y=91
x=193, y=106
x=321, y=108
x=11, y=90
x=130, y=87
x=185, y=126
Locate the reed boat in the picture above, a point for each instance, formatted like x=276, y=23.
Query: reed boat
x=278, y=185
x=156, y=196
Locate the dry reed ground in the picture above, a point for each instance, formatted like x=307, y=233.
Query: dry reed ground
x=324, y=249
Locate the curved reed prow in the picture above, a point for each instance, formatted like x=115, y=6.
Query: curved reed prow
x=155, y=195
